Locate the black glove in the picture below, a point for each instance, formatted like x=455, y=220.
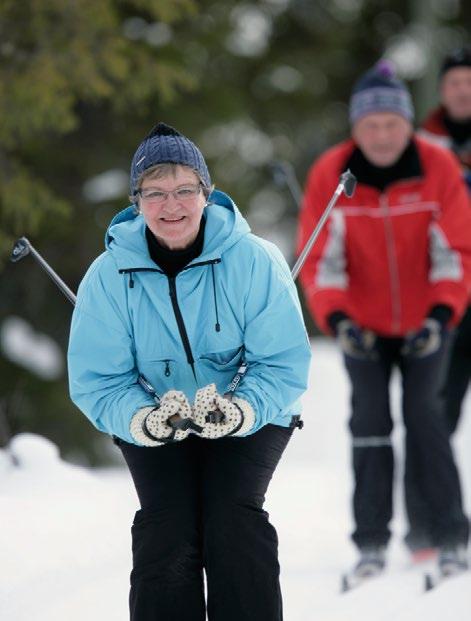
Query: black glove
x=425, y=341
x=428, y=338
x=467, y=178
x=356, y=342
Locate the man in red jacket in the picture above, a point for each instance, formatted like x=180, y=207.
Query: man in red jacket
x=388, y=276
x=449, y=126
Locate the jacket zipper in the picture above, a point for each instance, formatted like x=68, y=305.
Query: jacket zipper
x=176, y=308
x=181, y=324
x=393, y=269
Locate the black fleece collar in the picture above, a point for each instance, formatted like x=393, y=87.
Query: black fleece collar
x=408, y=166
x=460, y=131
x=173, y=261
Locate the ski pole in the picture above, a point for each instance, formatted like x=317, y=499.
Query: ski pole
x=283, y=173
x=347, y=185
x=21, y=249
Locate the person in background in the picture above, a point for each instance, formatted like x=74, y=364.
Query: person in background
x=388, y=277
x=449, y=125
x=182, y=295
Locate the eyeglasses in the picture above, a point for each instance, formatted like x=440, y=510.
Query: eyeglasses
x=185, y=193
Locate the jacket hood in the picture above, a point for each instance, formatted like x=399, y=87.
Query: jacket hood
x=225, y=226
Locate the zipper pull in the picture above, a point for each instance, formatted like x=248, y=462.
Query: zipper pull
x=167, y=368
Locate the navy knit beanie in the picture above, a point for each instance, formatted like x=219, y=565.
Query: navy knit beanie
x=461, y=57
x=379, y=90
x=163, y=145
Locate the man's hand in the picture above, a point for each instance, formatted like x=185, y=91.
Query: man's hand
x=425, y=341
x=467, y=178
x=354, y=341
x=217, y=416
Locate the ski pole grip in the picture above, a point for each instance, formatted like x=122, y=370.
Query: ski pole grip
x=349, y=183
x=20, y=250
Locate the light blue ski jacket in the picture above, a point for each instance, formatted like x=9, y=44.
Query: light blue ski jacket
x=236, y=300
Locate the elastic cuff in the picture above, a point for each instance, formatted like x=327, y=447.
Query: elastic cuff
x=335, y=318
x=441, y=313
x=136, y=427
x=247, y=413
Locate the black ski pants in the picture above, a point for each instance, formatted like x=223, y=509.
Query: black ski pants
x=202, y=509
x=459, y=372
x=457, y=377
x=426, y=438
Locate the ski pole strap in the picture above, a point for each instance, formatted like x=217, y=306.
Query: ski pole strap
x=177, y=423
x=241, y=371
x=150, y=390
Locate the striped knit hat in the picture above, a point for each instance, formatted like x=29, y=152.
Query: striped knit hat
x=163, y=145
x=379, y=90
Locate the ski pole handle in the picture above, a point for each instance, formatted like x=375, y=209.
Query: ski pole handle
x=215, y=416
x=24, y=247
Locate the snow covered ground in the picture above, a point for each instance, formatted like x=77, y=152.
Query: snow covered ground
x=65, y=530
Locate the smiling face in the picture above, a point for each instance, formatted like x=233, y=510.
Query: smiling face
x=382, y=137
x=175, y=222
x=455, y=91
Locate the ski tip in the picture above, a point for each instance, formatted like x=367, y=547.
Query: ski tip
x=344, y=584
x=428, y=582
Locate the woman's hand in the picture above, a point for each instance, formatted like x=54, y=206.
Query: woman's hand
x=170, y=422
x=217, y=416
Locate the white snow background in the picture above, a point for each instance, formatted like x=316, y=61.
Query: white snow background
x=65, y=547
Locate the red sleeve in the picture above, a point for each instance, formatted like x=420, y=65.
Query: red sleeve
x=450, y=241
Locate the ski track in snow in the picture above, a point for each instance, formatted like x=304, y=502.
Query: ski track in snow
x=65, y=545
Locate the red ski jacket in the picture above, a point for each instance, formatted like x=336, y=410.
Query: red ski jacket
x=434, y=130
x=386, y=258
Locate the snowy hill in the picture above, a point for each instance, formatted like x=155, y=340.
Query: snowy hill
x=65, y=535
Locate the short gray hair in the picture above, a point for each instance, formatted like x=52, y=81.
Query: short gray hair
x=164, y=170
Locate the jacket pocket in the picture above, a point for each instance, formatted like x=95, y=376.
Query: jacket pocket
x=163, y=368
x=224, y=359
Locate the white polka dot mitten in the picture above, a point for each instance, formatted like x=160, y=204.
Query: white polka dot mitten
x=218, y=417
x=170, y=422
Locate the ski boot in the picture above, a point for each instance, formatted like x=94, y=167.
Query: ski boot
x=372, y=562
x=452, y=560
